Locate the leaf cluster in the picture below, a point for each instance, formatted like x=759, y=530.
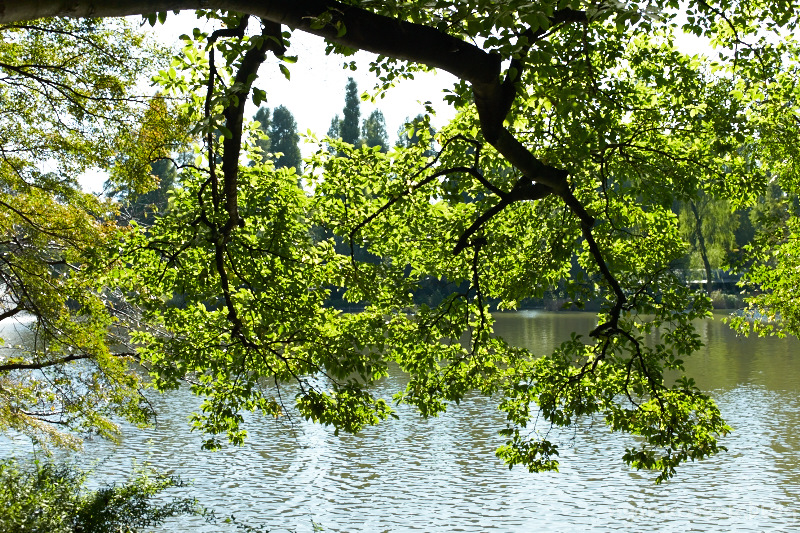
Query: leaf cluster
x=581, y=129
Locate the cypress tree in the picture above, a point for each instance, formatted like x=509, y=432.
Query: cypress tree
x=349, y=128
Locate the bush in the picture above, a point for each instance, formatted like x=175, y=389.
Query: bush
x=45, y=497
x=721, y=300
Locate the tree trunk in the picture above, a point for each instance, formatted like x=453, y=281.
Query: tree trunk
x=701, y=245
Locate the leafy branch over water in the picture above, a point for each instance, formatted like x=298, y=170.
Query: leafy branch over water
x=579, y=129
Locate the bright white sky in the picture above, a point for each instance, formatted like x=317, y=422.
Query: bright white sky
x=316, y=90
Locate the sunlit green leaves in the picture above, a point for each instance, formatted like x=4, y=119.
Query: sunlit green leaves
x=242, y=301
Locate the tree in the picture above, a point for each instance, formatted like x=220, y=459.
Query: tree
x=285, y=140
x=144, y=207
x=768, y=271
x=334, y=131
x=373, y=131
x=54, y=498
x=710, y=227
x=349, y=127
x=279, y=136
x=410, y=133
x=67, y=108
x=578, y=127
x=262, y=118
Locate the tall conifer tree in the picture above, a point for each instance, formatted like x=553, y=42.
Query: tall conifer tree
x=282, y=137
x=349, y=128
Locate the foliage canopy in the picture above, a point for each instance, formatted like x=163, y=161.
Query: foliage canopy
x=579, y=125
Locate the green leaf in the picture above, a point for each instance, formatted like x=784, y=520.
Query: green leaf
x=259, y=96
x=225, y=131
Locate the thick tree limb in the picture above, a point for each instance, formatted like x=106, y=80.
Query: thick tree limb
x=11, y=312
x=232, y=146
x=234, y=115
x=364, y=30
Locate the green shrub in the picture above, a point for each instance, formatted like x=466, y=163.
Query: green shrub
x=721, y=300
x=44, y=497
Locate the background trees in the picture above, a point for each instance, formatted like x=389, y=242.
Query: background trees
x=349, y=127
x=280, y=137
x=579, y=126
x=285, y=139
x=709, y=226
x=370, y=133
x=373, y=131
x=145, y=206
x=263, y=120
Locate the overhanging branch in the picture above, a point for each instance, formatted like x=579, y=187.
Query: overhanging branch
x=358, y=28
x=41, y=365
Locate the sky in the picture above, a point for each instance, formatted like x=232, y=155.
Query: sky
x=316, y=90
x=315, y=93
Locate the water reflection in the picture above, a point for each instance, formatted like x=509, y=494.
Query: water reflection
x=441, y=475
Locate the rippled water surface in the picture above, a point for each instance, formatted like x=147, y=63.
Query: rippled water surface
x=441, y=475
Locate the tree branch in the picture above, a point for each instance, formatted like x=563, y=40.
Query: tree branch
x=55, y=362
x=364, y=30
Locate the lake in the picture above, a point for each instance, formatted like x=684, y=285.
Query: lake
x=441, y=475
